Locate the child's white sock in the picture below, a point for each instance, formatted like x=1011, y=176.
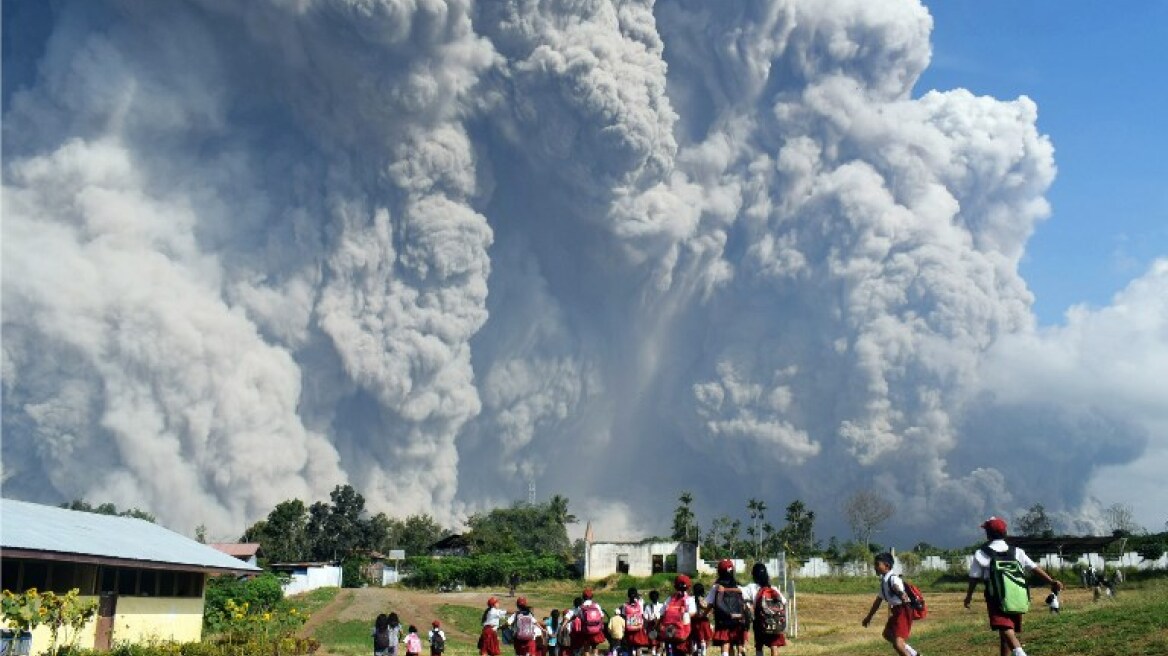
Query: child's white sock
x=910, y=650
x=1018, y=651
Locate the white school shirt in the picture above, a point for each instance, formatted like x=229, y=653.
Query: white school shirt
x=979, y=567
x=494, y=615
x=539, y=627
x=891, y=585
x=652, y=611
x=750, y=593
x=437, y=632
x=713, y=593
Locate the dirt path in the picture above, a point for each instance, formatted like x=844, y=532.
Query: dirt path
x=364, y=604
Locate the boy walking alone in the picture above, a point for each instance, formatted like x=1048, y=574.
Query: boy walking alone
x=1008, y=624
x=899, y=625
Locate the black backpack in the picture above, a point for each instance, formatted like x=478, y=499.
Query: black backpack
x=381, y=640
x=729, y=608
x=437, y=642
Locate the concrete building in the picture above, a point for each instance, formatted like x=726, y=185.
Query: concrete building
x=146, y=580
x=602, y=559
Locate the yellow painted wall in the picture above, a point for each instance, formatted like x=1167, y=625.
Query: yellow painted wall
x=142, y=619
x=138, y=619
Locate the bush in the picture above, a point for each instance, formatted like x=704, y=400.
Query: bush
x=261, y=594
x=485, y=569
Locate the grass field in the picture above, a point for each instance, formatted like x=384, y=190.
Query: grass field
x=1135, y=623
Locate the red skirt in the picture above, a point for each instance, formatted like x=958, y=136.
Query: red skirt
x=730, y=636
x=489, y=642
x=584, y=640
x=638, y=639
x=702, y=631
x=899, y=624
x=524, y=647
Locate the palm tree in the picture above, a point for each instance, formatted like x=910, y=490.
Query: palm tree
x=558, y=508
x=757, y=509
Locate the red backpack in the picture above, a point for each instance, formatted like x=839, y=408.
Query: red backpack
x=916, y=601
x=591, y=619
x=674, y=626
x=771, y=616
x=634, y=618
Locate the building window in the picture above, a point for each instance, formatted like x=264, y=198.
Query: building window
x=127, y=581
x=36, y=575
x=109, y=579
x=10, y=575
x=166, y=584
x=622, y=564
x=147, y=582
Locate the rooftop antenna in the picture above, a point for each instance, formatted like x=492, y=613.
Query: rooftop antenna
x=531, y=492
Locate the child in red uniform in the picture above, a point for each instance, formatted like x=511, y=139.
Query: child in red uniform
x=702, y=633
x=489, y=638
x=526, y=628
x=899, y=625
x=729, y=633
x=755, y=593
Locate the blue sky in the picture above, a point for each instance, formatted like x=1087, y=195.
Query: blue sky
x=1098, y=73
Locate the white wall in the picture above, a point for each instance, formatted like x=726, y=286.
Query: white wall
x=601, y=557
x=313, y=578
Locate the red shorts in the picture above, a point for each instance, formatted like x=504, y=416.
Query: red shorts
x=1001, y=620
x=489, y=642
x=899, y=624
x=730, y=636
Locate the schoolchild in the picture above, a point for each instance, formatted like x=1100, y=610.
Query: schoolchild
x=730, y=629
x=616, y=633
x=652, y=619
x=552, y=630
x=413, y=642
x=702, y=632
x=676, y=620
x=489, y=638
x=898, y=627
x=756, y=593
x=525, y=628
x=1008, y=625
x=437, y=639
x=587, y=625
x=381, y=640
x=636, y=631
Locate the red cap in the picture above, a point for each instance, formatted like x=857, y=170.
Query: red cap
x=995, y=524
x=681, y=582
x=587, y=593
x=725, y=565
x=492, y=601
x=521, y=602
x=436, y=623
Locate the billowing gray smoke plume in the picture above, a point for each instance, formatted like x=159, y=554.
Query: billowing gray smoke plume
x=442, y=249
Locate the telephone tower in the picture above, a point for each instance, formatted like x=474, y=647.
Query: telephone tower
x=531, y=493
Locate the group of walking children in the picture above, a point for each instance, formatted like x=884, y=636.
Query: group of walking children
x=998, y=566
x=686, y=622
x=387, y=635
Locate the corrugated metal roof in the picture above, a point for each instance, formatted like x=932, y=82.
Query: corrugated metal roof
x=36, y=527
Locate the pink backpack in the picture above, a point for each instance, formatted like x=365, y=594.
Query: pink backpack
x=634, y=618
x=591, y=619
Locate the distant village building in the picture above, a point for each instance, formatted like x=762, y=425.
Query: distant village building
x=306, y=576
x=248, y=552
x=451, y=545
x=147, y=580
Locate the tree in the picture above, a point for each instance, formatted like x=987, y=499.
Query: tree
x=536, y=528
x=1034, y=523
x=414, y=534
x=283, y=536
x=757, y=510
x=558, y=510
x=201, y=534
x=798, y=536
x=108, y=509
x=866, y=512
x=684, y=521
x=1120, y=519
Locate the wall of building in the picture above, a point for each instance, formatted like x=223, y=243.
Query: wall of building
x=143, y=619
x=602, y=557
x=312, y=578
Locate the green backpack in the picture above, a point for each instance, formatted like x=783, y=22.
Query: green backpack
x=1007, y=585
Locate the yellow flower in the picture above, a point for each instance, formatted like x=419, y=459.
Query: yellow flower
x=267, y=617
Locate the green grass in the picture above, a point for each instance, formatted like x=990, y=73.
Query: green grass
x=1135, y=623
x=312, y=601
x=350, y=637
